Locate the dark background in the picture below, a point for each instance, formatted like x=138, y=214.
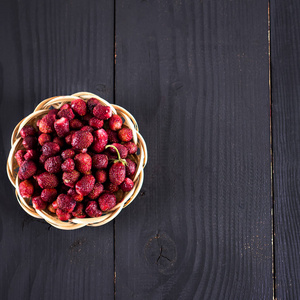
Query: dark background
x=218, y=214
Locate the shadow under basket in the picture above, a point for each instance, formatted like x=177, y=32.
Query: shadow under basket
x=75, y=223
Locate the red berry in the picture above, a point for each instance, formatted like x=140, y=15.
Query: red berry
x=66, y=112
x=122, y=150
x=38, y=203
x=101, y=176
x=115, y=122
x=53, y=164
x=87, y=118
x=112, y=188
x=27, y=130
x=62, y=127
x=127, y=185
x=69, y=153
x=130, y=168
x=50, y=149
x=107, y=201
x=96, y=191
x=70, y=178
x=44, y=138
x=85, y=185
x=76, y=124
x=117, y=173
x=63, y=215
x=42, y=159
x=46, y=124
x=68, y=138
x=87, y=128
x=83, y=162
x=74, y=195
x=27, y=170
x=92, y=209
x=66, y=203
x=96, y=123
x=102, y=112
x=59, y=141
x=78, y=211
x=81, y=140
x=26, y=189
x=79, y=106
x=100, y=140
x=68, y=165
x=125, y=134
x=29, y=142
x=131, y=147
x=47, y=180
x=19, y=156
x=112, y=136
x=31, y=155
x=100, y=161
x=91, y=103
x=49, y=195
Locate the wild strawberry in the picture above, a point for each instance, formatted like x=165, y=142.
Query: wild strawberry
x=102, y=112
x=53, y=164
x=112, y=136
x=81, y=140
x=127, y=185
x=44, y=138
x=53, y=112
x=63, y=215
x=100, y=140
x=68, y=138
x=130, y=167
x=68, y=165
x=66, y=203
x=91, y=103
x=62, y=127
x=69, y=153
x=49, y=195
x=59, y=141
x=47, y=180
x=101, y=176
x=29, y=142
x=112, y=188
x=131, y=147
x=50, y=149
x=66, y=112
x=83, y=162
x=107, y=201
x=70, y=178
x=100, y=161
x=19, y=156
x=38, y=203
x=26, y=189
x=74, y=195
x=46, y=124
x=125, y=134
x=96, y=123
x=96, y=191
x=31, y=155
x=85, y=185
x=27, y=170
x=79, y=106
x=87, y=128
x=27, y=130
x=76, y=124
x=78, y=211
x=122, y=150
x=117, y=171
x=92, y=209
x=115, y=122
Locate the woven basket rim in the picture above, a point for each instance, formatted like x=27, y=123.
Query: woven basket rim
x=16, y=144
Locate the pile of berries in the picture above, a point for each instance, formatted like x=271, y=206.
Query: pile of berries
x=77, y=161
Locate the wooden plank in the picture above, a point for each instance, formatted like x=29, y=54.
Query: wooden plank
x=195, y=76
x=52, y=48
x=285, y=41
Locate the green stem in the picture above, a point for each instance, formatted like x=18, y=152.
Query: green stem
x=123, y=161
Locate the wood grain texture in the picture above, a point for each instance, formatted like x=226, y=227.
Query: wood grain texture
x=195, y=75
x=51, y=48
x=285, y=51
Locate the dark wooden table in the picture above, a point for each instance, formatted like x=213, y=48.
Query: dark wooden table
x=218, y=216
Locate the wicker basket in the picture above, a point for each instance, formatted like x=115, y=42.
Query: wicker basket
x=39, y=112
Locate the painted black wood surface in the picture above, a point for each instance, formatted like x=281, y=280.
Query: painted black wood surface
x=285, y=40
x=195, y=75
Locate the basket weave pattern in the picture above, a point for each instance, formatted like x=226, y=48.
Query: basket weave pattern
x=39, y=112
